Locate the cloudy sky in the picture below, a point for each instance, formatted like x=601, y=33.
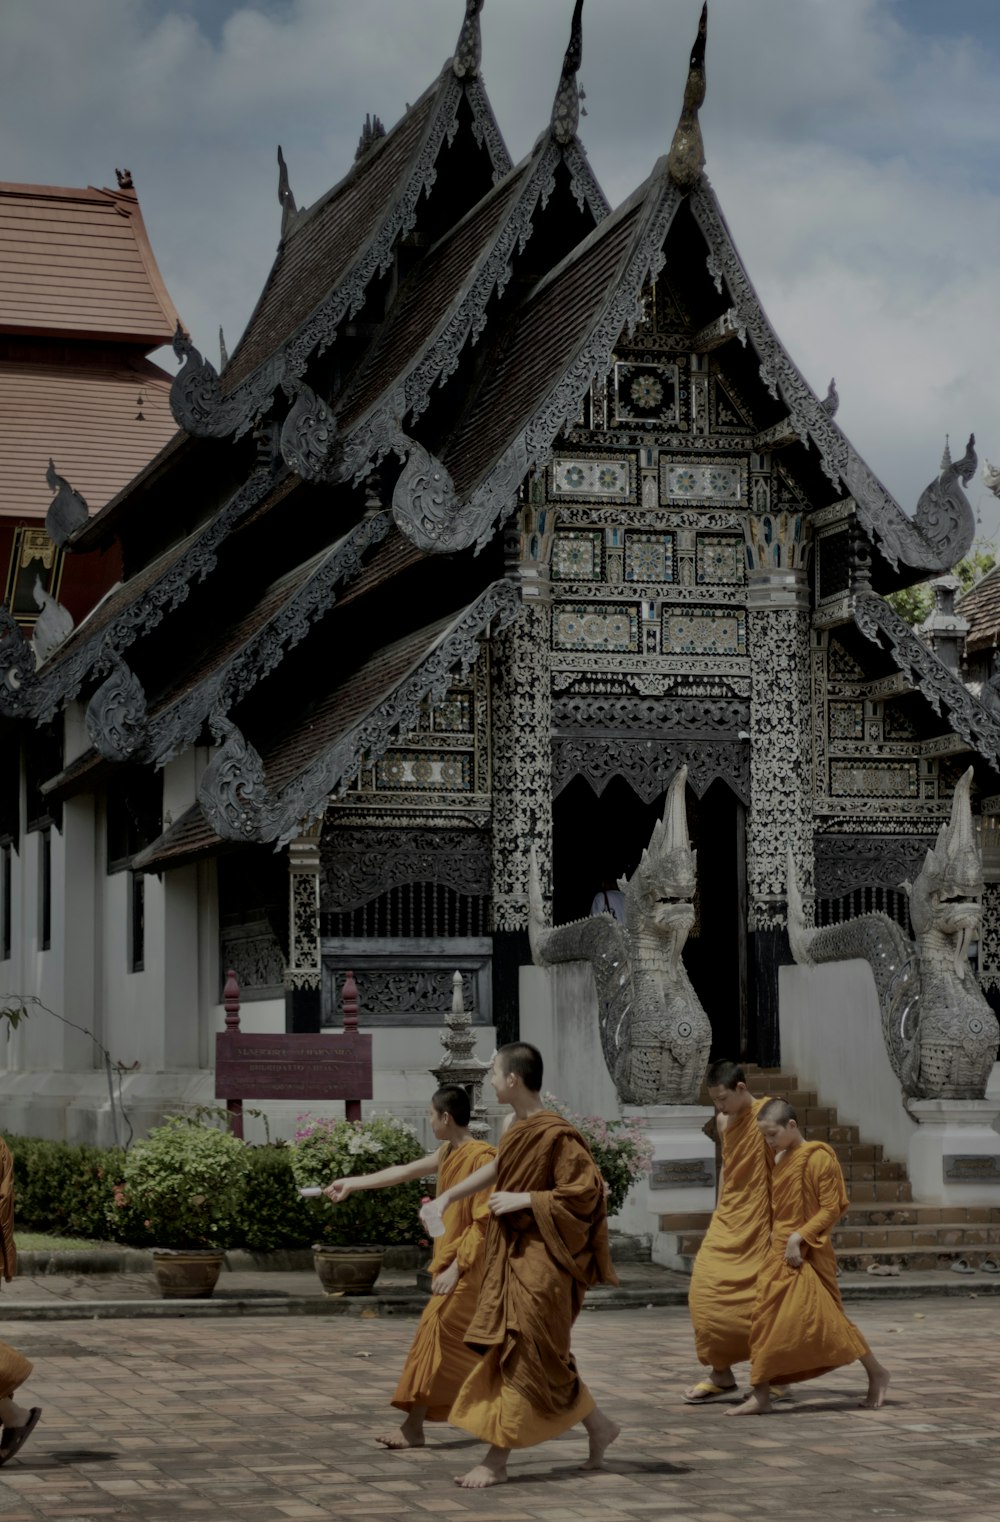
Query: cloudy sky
x=853, y=144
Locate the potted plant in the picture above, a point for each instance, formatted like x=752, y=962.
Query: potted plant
x=184, y=1183
x=619, y=1148
x=352, y=1237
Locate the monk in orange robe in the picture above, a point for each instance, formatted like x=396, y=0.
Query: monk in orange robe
x=798, y=1329
x=724, y=1279
x=18, y=1421
x=546, y=1242
x=439, y=1359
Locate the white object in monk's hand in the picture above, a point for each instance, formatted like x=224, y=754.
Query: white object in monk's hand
x=430, y=1214
x=313, y=1192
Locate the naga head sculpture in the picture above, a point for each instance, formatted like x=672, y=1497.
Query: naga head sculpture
x=659, y=894
x=946, y=899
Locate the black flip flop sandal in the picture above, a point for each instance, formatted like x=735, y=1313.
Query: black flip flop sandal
x=14, y=1438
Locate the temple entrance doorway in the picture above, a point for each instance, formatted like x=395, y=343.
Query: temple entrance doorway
x=596, y=840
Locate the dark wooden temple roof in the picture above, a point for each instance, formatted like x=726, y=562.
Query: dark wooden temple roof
x=981, y=606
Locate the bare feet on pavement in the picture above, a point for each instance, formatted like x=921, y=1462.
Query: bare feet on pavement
x=601, y=1431
x=757, y=1403
x=492, y=1471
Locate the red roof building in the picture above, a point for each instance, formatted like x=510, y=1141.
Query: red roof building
x=82, y=304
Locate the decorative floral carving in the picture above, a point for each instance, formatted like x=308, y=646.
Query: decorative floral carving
x=360, y=864
x=17, y=667
x=780, y=783
x=233, y=789
x=522, y=761
x=309, y=436
x=648, y=768
x=116, y=714
x=425, y=504
x=845, y=863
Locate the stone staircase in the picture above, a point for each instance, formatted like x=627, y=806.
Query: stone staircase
x=883, y=1226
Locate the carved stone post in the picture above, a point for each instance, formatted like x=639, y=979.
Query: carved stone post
x=522, y=753
x=303, y=974
x=780, y=770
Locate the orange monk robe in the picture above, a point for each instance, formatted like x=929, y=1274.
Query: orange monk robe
x=538, y=1265
x=439, y=1359
x=724, y=1278
x=14, y=1369
x=799, y=1329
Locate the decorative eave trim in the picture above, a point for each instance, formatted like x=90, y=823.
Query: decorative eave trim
x=18, y=682
x=928, y=675
x=925, y=543
x=379, y=432
x=197, y=399
x=233, y=792
x=642, y=261
x=173, y=729
x=95, y=656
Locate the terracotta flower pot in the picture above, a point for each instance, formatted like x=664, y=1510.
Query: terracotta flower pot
x=348, y=1270
x=187, y=1273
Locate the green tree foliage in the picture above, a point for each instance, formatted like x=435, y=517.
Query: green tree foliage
x=913, y=604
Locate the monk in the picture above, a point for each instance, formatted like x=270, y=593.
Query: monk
x=18, y=1421
x=439, y=1359
x=724, y=1279
x=547, y=1241
x=798, y=1329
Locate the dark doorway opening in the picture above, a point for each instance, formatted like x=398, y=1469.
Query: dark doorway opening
x=597, y=840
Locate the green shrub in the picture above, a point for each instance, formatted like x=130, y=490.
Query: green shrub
x=186, y=1182
x=62, y=1188
x=271, y=1214
x=324, y=1150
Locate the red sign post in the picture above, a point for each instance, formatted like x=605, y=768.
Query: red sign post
x=292, y=1067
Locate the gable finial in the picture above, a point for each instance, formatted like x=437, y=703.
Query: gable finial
x=469, y=48
x=285, y=197
x=686, y=159
x=566, y=106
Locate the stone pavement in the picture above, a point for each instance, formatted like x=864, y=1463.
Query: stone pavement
x=272, y=1421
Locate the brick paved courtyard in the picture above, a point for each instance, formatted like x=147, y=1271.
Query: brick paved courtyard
x=268, y=1420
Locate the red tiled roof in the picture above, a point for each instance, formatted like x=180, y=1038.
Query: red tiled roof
x=981, y=606
x=99, y=423
x=322, y=246
x=78, y=263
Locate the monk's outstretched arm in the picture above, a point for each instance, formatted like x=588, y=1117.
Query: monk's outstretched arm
x=401, y=1173
x=471, y=1185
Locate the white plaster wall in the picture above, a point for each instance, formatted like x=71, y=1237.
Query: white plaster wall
x=559, y=1016
x=831, y=1037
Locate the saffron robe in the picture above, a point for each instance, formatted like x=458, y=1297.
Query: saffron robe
x=798, y=1329
x=538, y=1266
x=439, y=1359
x=14, y=1369
x=724, y=1277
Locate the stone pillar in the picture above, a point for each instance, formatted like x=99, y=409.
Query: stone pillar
x=521, y=753
x=303, y=973
x=781, y=787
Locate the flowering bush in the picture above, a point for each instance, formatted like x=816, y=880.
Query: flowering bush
x=181, y=1186
x=323, y=1150
x=620, y=1150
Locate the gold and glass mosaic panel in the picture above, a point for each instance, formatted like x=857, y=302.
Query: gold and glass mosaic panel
x=702, y=481
x=860, y=779
x=595, y=626
x=645, y=393
x=600, y=480
x=425, y=771
x=847, y=721
x=704, y=631
x=576, y=555
x=720, y=559
x=649, y=557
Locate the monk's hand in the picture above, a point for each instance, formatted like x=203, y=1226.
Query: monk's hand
x=339, y=1190
x=793, y=1250
x=444, y=1282
x=504, y=1201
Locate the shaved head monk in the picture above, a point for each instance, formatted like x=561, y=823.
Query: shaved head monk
x=547, y=1240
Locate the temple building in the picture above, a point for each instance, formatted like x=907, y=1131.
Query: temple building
x=506, y=506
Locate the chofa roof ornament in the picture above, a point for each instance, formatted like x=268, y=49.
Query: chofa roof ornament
x=469, y=48
x=67, y=511
x=566, y=106
x=686, y=159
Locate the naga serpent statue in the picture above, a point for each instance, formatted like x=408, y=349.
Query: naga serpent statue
x=655, y=1035
x=940, y=1032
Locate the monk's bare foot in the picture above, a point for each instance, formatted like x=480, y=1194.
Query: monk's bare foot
x=409, y=1435
x=878, y=1384
x=601, y=1431
x=492, y=1471
x=755, y=1404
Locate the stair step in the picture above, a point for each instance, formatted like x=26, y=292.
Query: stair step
x=849, y=1238
x=920, y=1214
x=865, y=1191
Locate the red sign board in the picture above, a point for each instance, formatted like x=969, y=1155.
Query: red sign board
x=293, y=1067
